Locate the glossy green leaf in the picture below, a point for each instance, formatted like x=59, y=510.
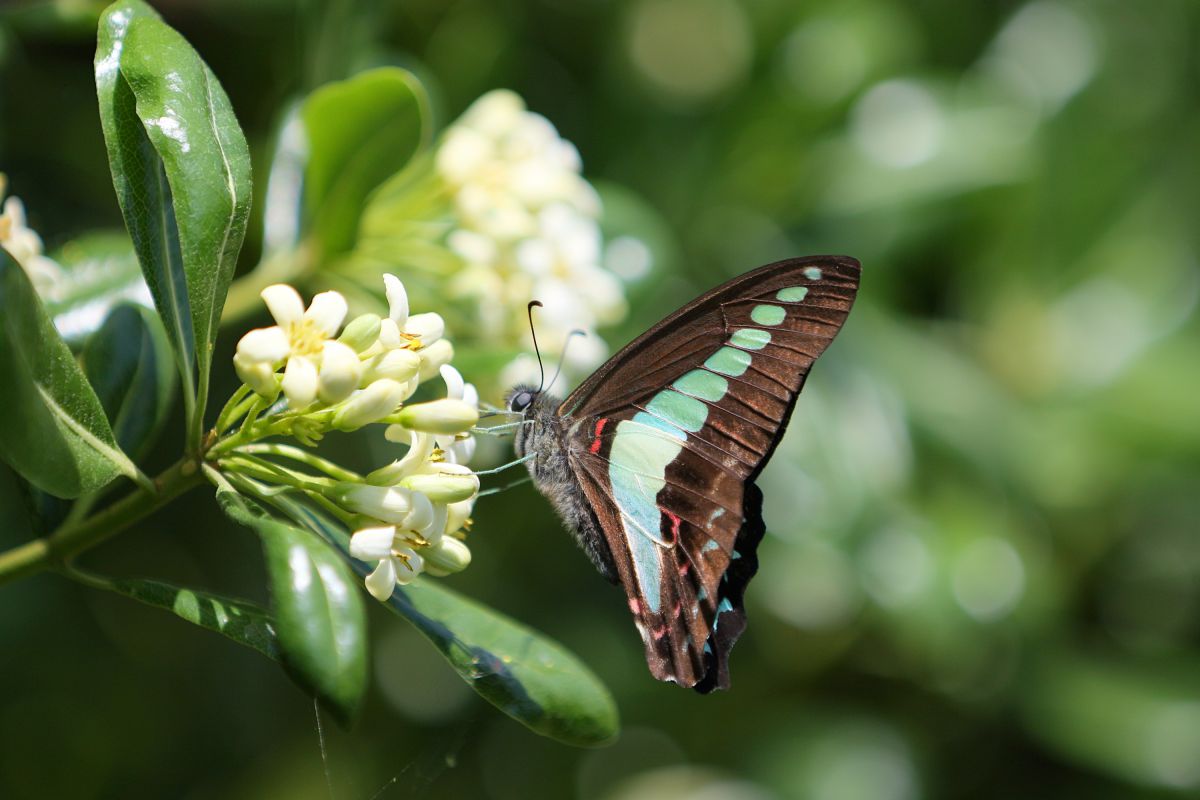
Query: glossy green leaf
x=238, y=620
x=128, y=362
x=189, y=123
x=100, y=272
x=360, y=131
x=140, y=180
x=525, y=674
x=320, y=619
x=53, y=430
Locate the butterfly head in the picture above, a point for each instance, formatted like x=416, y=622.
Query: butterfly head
x=521, y=398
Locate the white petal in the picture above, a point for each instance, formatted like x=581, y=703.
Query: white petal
x=409, y=567
x=454, y=381
x=266, y=345
x=429, y=326
x=300, y=382
x=462, y=451
x=434, y=531
x=458, y=514
x=397, y=365
x=284, y=303
x=326, y=312
x=382, y=582
x=397, y=299
x=389, y=335
x=340, y=372
x=371, y=544
x=258, y=375
x=470, y=395
x=421, y=514
x=433, y=356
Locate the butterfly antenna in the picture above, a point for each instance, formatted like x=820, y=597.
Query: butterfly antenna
x=563, y=357
x=533, y=333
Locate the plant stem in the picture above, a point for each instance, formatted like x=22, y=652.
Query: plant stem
x=56, y=549
x=296, y=454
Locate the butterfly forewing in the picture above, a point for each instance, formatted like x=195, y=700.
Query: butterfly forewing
x=667, y=437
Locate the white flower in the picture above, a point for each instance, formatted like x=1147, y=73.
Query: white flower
x=378, y=400
x=25, y=246
x=458, y=448
x=398, y=563
x=301, y=341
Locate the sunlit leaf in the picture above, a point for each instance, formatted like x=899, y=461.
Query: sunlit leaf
x=53, y=430
x=100, y=271
x=201, y=153
x=320, y=619
x=360, y=132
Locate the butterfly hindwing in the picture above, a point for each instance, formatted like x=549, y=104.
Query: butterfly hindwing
x=667, y=437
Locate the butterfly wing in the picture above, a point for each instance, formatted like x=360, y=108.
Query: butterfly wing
x=667, y=438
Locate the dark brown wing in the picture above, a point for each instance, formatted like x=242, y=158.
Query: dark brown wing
x=667, y=437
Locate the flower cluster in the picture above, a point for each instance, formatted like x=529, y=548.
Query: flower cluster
x=24, y=245
x=526, y=226
x=409, y=516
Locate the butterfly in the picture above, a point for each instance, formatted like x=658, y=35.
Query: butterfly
x=651, y=461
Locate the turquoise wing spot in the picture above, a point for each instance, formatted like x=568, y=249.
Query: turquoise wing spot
x=812, y=273
x=729, y=361
x=768, y=314
x=680, y=410
x=637, y=472
x=658, y=424
x=703, y=384
x=711, y=544
x=793, y=294
x=750, y=339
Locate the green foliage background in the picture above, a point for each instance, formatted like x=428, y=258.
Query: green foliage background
x=982, y=577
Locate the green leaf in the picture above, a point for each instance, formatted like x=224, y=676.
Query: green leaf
x=243, y=622
x=525, y=674
x=189, y=123
x=143, y=191
x=321, y=623
x=128, y=362
x=361, y=131
x=100, y=271
x=53, y=430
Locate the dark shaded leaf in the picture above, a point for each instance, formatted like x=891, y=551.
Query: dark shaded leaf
x=128, y=362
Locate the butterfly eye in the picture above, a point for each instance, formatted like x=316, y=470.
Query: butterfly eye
x=521, y=401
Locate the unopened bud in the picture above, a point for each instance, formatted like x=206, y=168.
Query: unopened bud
x=447, y=556
x=369, y=405
x=384, y=503
x=361, y=332
x=446, y=416
x=445, y=483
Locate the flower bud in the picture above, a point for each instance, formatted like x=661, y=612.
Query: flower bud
x=340, y=372
x=434, y=356
x=446, y=416
x=369, y=405
x=397, y=365
x=361, y=332
x=447, y=556
x=444, y=483
x=385, y=503
x=373, y=544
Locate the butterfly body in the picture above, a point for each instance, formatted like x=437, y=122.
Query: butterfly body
x=651, y=461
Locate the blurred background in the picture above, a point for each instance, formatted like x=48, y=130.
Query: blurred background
x=982, y=572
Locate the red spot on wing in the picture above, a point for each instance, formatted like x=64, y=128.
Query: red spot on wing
x=635, y=606
x=674, y=525
x=600, y=423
